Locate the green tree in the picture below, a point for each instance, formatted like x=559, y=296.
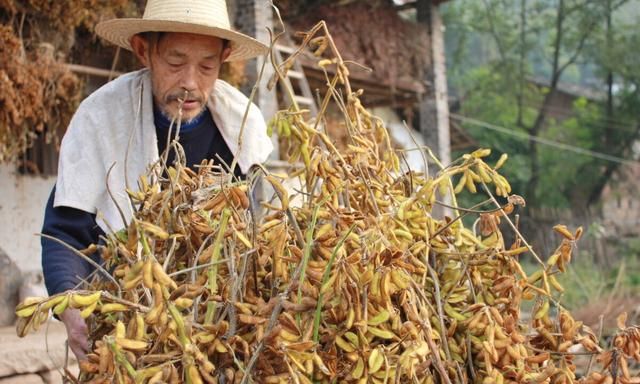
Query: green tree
x=497, y=48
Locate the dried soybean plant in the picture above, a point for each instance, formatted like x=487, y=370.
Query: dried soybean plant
x=37, y=94
x=357, y=282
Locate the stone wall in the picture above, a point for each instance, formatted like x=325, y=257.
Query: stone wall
x=21, y=212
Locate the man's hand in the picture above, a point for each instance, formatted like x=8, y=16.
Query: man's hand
x=76, y=332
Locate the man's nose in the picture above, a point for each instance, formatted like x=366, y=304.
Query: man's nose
x=189, y=78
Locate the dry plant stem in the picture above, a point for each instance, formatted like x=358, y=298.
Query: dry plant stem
x=194, y=264
x=563, y=353
x=213, y=270
x=435, y=353
x=438, y=299
x=114, y=63
x=231, y=309
x=87, y=259
x=281, y=297
x=113, y=199
x=170, y=141
x=459, y=375
x=616, y=285
x=454, y=200
x=515, y=229
x=53, y=362
x=165, y=205
x=228, y=311
x=600, y=329
x=128, y=303
x=309, y=35
x=427, y=327
x=276, y=67
x=290, y=215
x=471, y=288
x=254, y=228
x=120, y=358
x=415, y=142
x=459, y=217
x=325, y=278
x=325, y=101
x=201, y=266
x=472, y=370
x=243, y=273
x=365, y=309
x=307, y=249
x=252, y=96
x=172, y=249
x=327, y=98
x=614, y=365
x=85, y=280
x=275, y=313
x=473, y=209
x=343, y=108
x=367, y=182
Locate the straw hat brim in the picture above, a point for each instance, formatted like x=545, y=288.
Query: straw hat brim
x=120, y=32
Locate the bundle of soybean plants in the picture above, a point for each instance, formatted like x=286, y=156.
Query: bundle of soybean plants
x=354, y=280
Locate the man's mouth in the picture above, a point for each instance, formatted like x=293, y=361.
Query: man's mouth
x=190, y=104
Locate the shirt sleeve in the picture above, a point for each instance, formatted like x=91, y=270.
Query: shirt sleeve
x=62, y=268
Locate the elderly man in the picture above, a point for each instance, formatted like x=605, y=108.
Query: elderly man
x=120, y=130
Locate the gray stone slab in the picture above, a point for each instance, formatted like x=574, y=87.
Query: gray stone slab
x=29, y=354
x=23, y=379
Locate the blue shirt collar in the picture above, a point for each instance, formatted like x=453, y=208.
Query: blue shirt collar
x=163, y=122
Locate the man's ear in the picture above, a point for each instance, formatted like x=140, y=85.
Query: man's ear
x=225, y=53
x=140, y=47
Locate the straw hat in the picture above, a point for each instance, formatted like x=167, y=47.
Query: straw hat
x=203, y=17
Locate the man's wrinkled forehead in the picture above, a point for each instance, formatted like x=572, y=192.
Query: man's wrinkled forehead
x=177, y=43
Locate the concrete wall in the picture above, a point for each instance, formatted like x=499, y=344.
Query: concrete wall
x=21, y=214
x=434, y=108
x=253, y=17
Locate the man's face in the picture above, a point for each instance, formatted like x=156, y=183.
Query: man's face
x=184, y=67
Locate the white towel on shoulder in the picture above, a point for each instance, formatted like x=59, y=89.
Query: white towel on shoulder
x=117, y=120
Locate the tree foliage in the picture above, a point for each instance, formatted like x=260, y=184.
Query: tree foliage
x=509, y=61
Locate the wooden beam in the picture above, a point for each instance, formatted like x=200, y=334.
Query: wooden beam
x=440, y=86
x=412, y=4
x=405, y=6
x=93, y=71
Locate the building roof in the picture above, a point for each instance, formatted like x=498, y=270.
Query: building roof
x=577, y=90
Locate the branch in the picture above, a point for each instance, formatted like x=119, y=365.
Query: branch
x=555, y=75
x=87, y=259
x=577, y=52
x=589, y=30
x=493, y=31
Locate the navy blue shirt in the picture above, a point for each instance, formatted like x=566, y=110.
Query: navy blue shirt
x=63, y=269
